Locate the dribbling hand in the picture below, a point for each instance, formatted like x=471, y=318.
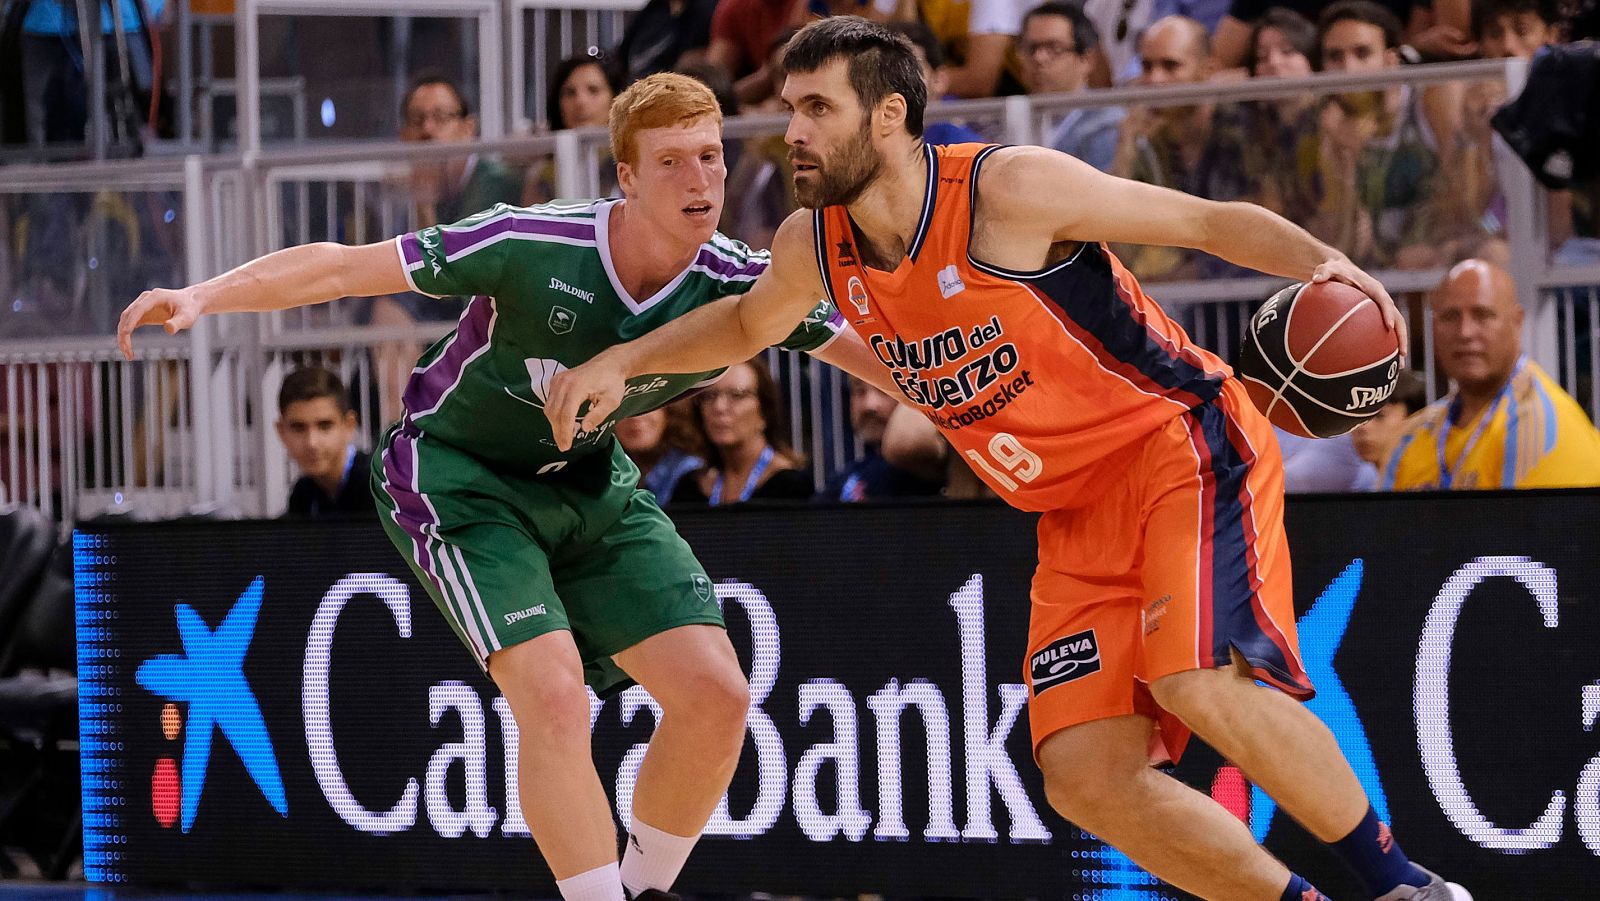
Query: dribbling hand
x=1342, y=270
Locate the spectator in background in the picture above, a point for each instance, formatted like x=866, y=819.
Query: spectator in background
x=435, y=110
x=1187, y=148
x=443, y=191
x=581, y=90
x=663, y=444
x=1507, y=28
x=911, y=442
x=760, y=178
x=871, y=476
x=718, y=81
x=1232, y=34
x=1280, y=134
x=1505, y=424
x=1058, y=47
x=1376, y=437
x=1120, y=23
x=742, y=33
x=318, y=429
x=1378, y=158
x=664, y=36
x=978, y=47
x=741, y=426
x=930, y=56
x=1318, y=465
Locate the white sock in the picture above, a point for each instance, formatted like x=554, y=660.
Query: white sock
x=654, y=858
x=599, y=884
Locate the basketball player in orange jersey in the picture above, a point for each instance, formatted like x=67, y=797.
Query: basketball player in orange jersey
x=979, y=277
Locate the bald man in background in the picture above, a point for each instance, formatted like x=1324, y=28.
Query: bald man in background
x=1506, y=424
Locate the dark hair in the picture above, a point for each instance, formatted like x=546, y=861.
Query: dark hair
x=881, y=62
x=1485, y=11
x=1298, y=29
x=1084, y=35
x=716, y=78
x=311, y=383
x=427, y=78
x=772, y=417
x=921, y=36
x=564, y=70
x=1409, y=390
x=1364, y=11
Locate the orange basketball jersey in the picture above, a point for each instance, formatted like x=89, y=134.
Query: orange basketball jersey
x=1037, y=378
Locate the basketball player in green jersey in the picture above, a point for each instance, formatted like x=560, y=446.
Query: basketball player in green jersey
x=552, y=566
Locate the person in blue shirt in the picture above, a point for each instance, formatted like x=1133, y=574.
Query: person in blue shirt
x=1058, y=48
x=871, y=476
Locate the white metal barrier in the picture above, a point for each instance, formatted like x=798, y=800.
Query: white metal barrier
x=187, y=427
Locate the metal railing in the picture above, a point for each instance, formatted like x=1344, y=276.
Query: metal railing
x=187, y=426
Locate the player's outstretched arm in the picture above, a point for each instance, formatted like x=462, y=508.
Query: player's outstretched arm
x=294, y=277
x=850, y=353
x=721, y=333
x=1026, y=183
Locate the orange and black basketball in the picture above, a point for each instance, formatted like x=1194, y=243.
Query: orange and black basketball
x=1318, y=359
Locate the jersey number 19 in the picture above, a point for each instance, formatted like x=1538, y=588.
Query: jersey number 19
x=1016, y=463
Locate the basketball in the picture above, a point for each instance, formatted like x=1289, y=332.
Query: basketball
x=1318, y=359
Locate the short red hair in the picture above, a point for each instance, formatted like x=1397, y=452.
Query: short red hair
x=657, y=101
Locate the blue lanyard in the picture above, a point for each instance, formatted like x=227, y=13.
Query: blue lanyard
x=749, y=484
x=1447, y=474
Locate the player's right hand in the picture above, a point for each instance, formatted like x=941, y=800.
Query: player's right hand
x=176, y=310
x=598, y=383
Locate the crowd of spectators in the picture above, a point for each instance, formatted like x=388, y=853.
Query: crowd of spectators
x=1396, y=176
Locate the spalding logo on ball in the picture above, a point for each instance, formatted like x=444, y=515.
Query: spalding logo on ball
x=1318, y=359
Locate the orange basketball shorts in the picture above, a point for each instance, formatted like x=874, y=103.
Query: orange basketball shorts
x=1179, y=562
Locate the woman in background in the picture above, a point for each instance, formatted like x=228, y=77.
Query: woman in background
x=747, y=457
x=665, y=444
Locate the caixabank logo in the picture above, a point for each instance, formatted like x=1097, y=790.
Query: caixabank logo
x=207, y=680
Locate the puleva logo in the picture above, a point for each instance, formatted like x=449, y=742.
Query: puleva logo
x=209, y=677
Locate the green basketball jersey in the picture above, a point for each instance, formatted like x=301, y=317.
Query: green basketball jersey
x=545, y=297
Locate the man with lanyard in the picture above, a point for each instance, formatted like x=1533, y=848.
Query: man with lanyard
x=552, y=566
x=1507, y=424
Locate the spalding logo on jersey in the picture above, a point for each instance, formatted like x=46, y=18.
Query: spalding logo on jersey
x=858, y=295
x=1063, y=660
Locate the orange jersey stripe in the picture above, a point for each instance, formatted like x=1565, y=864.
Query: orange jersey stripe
x=1037, y=378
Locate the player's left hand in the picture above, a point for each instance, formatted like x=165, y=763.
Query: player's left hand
x=597, y=383
x=1340, y=269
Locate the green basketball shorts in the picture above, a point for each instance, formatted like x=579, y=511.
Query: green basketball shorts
x=511, y=557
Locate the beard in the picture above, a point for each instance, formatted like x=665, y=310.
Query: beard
x=841, y=180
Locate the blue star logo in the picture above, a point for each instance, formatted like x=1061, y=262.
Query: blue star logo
x=1321, y=630
x=209, y=677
